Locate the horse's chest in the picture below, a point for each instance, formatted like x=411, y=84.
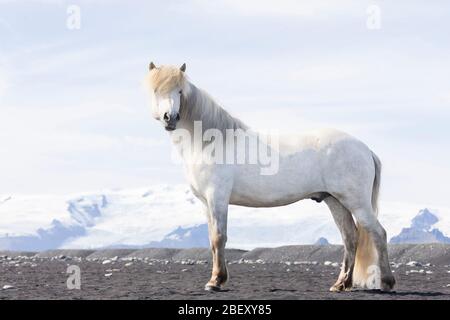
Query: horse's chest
x=204, y=177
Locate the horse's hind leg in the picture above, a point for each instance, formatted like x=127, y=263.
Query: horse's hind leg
x=367, y=220
x=347, y=228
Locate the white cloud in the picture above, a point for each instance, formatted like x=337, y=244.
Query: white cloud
x=326, y=72
x=3, y=85
x=61, y=128
x=65, y=61
x=58, y=2
x=51, y=146
x=6, y=25
x=295, y=8
x=4, y=80
x=443, y=100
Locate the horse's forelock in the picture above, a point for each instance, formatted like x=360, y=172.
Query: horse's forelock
x=166, y=78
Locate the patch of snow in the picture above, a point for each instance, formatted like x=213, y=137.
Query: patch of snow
x=7, y=286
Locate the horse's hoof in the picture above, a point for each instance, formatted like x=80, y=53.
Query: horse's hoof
x=337, y=288
x=210, y=287
x=348, y=289
x=387, y=283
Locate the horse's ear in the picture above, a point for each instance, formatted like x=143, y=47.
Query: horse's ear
x=183, y=67
x=152, y=66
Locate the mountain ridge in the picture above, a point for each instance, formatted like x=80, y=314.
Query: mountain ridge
x=162, y=215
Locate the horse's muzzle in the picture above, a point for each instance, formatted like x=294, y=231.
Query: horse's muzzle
x=171, y=121
x=170, y=127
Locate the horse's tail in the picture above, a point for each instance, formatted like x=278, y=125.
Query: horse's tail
x=366, y=254
x=376, y=183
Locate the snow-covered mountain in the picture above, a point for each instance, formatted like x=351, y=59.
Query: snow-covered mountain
x=192, y=237
x=171, y=216
x=421, y=230
x=322, y=242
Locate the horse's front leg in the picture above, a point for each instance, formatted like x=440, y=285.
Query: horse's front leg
x=217, y=227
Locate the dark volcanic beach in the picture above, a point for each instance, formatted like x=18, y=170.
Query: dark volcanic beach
x=294, y=272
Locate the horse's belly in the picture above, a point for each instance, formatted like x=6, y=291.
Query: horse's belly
x=254, y=190
x=258, y=200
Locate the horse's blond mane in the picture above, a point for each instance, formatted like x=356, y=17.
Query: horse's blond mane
x=197, y=105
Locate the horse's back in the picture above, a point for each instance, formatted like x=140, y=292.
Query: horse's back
x=316, y=140
x=337, y=156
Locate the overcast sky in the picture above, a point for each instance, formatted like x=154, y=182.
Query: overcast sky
x=74, y=116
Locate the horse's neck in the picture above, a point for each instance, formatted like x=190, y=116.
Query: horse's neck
x=199, y=113
x=199, y=106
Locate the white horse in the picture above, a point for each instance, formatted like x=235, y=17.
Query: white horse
x=325, y=165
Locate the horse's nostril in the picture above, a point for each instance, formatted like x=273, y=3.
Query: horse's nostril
x=166, y=116
x=178, y=117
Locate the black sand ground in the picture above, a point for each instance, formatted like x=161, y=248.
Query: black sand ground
x=295, y=272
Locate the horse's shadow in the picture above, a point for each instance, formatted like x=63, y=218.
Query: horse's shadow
x=405, y=293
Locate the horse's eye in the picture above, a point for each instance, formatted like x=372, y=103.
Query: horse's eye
x=180, y=92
